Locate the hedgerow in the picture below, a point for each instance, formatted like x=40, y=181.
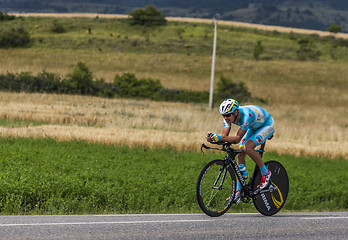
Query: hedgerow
x=80, y=81
x=14, y=37
x=6, y=17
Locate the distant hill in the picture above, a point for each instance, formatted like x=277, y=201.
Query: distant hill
x=308, y=14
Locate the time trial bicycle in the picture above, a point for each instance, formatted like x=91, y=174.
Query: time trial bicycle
x=216, y=185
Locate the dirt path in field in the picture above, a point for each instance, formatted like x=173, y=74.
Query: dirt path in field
x=180, y=19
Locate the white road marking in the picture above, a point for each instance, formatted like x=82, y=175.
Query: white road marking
x=153, y=221
x=323, y=218
x=94, y=223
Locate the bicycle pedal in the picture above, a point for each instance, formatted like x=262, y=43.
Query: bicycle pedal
x=237, y=201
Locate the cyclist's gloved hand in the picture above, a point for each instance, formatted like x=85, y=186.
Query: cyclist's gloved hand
x=215, y=137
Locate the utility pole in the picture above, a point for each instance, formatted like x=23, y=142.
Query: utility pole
x=213, y=67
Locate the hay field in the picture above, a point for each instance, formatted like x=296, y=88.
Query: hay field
x=159, y=124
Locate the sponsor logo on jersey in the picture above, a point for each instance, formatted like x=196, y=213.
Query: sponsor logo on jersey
x=245, y=124
x=259, y=138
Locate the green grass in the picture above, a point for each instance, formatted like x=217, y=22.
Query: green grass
x=180, y=38
x=16, y=124
x=43, y=176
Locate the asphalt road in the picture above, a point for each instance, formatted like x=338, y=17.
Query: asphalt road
x=177, y=226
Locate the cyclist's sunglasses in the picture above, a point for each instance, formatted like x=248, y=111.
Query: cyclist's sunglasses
x=227, y=115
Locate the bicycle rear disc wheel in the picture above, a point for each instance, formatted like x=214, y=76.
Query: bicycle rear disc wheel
x=216, y=183
x=269, y=203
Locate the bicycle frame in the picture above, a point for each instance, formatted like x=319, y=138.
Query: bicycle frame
x=231, y=162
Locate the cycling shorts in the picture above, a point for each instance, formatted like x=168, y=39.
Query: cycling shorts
x=260, y=135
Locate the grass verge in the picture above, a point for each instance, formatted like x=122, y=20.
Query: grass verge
x=42, y=176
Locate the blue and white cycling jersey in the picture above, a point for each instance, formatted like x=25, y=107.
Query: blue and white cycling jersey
x=258, y=123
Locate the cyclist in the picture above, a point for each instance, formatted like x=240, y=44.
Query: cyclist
x=256, y=126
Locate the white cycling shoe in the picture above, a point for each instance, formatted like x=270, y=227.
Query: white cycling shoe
x=236, y=199
x=265, y=180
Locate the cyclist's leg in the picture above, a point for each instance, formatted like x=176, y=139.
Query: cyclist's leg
x=241, y=160
x=249, y=149
x=259, y=137
x=245, y=138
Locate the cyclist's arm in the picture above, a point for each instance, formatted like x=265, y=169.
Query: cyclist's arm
x=225, y=138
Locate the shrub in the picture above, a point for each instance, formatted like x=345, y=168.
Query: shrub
x=6, y=17
x=226, y=88
x=14, y=37
x=48, y=82
x=104, y=89
x=149, y=16
x=128, y=85
x=25, y=82
x=80, y=80
x=334, y=28
x=20, y=82
x=57, y=27
x=258, y=50
x=6, y=81
x=307, y=50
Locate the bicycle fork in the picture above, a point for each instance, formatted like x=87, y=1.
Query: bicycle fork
x=222, y=172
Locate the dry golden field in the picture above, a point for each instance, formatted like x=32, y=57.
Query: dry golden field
x=158, y=124
x=308, y=101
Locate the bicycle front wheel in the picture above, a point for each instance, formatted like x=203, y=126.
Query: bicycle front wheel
x=216, y=188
